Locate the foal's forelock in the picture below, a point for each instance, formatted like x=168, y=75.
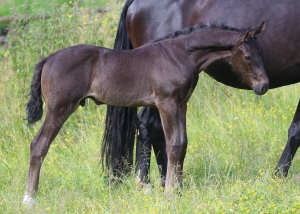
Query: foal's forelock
x=255, y=46
x=252, y=46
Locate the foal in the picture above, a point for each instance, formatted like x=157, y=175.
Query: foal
x=160, y=74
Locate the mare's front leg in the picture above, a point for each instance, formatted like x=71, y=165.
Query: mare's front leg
x=39, y=148
x=291, y=147
x=174, y=125
x=150, y=133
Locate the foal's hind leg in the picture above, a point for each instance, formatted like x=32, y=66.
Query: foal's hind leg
x=39, y=148
x=291, y=147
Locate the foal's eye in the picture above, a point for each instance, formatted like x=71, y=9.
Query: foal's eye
x=247, y=58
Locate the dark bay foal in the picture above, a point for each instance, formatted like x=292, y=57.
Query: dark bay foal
x=160, y=74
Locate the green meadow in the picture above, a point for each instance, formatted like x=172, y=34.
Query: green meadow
x=235, y=137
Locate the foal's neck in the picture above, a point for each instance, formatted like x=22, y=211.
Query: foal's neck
x=211, y=40
x=208, y=46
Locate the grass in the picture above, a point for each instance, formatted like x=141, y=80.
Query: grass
x=14, y=8
x=32, y=6
x=235, y=138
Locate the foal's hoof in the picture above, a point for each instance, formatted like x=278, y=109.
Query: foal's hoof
x=29, y=201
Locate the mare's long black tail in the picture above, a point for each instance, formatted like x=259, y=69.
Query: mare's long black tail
x=34, y=106
x=120, y=127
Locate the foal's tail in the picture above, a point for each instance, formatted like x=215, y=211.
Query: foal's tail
x=34, y=106
x=120, y=129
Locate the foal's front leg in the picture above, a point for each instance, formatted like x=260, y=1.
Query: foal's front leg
x=174, y=125
x=183, y=134
x=183, y=146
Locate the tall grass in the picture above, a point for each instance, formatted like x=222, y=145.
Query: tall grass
x=235, y=137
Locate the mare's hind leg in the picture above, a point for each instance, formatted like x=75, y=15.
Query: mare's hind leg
x=291, y=147
x=143, y=148
x=150, y=132
x=39, y=148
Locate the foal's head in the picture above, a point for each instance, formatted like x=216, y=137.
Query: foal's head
x=246, y=59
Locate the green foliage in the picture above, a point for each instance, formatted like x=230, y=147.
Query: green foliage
x=32, y=6
x=15, y=8
x=66, y=26
x=235, y=137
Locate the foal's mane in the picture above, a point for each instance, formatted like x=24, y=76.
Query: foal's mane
x=200, y=26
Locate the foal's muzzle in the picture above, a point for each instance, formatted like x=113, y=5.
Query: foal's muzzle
x=261, y=88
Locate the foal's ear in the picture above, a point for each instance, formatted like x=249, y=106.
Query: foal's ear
x=260, y=28
x=247, y=35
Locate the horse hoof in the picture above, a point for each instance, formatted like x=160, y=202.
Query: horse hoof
x=142, y=184
x=147, y=187
x=29, y=201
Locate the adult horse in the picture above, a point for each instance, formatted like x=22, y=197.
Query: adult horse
x=161, y=74
x=143, y=20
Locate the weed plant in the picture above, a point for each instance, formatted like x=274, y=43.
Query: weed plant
x=235, y=137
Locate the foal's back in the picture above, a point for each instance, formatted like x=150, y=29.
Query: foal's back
x=141, y=76
x=115, y=77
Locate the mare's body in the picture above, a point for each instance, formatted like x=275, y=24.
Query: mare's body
x=145, y=20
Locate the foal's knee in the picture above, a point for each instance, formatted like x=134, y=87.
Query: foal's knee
x=174, y=151
x=177, y=152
